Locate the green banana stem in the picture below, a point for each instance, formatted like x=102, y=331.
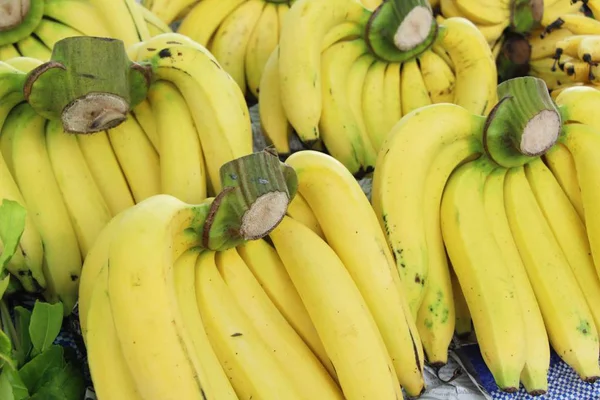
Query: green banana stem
x=525, y=15
x=523, y=125
x=513, y=60
x=399, y=30
x=256, y=192
x=89, y=84
x=18, y=19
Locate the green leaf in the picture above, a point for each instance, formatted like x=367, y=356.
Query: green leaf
x=46, y=321
x=12, y=215
x=6, y=390
x=18, y=389
x=4, y=284
x=22, y=319
x=6, y=351
x=67, y=384
x=42, y=368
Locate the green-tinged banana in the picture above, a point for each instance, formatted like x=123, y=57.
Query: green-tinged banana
x=392, y=99
x=34, y=176
x=537, y=354
x=8, y=51
x=351, y=229
x=145, y=116
x=32, y=46
x=261, y=43
x=438, y=77
x=299, y=210
x=50, y=31
x=293, y=355
x=137, y=158
x=251, y=367
x=182, y=171
x=24, y=64
x=185, y=289
x=273, y=121
x=568, y=320
x=264, y=262
x=484, y=12
x=232, y=39
x=104, y=167
x=85, y=204
x=123, y=20
x=474, y=66
x=569, y=230
x=436, y=316
x=205, y=17
x=562, y=165
x=371, y=113
x=398, y=193
x=483, y=274
x=339, y=129
x=156, y=26
x=361, y=361
x=463, y=325
x=412, y=88
x=81, y=16
x=302, y=36
x=108, y=367
x=222, y=121
x=168, y=10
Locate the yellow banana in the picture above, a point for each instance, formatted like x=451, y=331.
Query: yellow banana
x=145, y=117
x=413, y=90
x=50, y=32
x=33, y=47
x=371, y=110
x=561, y=163
x=438, y=77
x=81, y=16
x=156, y=26
x=123, y=19
x=169, y=10
x=8, y=51
x=542, y=47
x=462, y=325
x=205, y=17
x=484, y=12
x=392, y=99
x=261, y=43
x=299, y=210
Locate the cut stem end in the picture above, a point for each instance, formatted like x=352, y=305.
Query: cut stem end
x=13, y=13
x=540, y=133
x=264, y=215
x=414, y=29
x=94, y=112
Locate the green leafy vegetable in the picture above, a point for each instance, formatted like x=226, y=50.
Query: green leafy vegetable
x=42, y=368
x=46, y=320
x=13, y=216
x=22, y=319
x=17, y=387
x=6, y=352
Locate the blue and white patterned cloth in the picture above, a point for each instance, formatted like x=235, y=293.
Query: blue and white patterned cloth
x=563, y=382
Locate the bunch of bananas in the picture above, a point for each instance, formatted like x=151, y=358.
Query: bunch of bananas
x=30, y=28
x=343, y=75
x=506, y=204
x=193, y=120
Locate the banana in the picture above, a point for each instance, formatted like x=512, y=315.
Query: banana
x=577, y=70
x=214, y=99
x=436, y=316
x=168, y=10
x=579, y=104
x=543, y=46
x=137, y=158
x=108, y=367
x=19, y=20
x=293, y=355
x=351, y=229
x=492, y=33
x=559, y=9
x=370, y=113
x=231, y=41
x=8, y=51
x=50, y=32
x=182, y=171
x=106, y=171
x=437, y=76
x=474, y=66
x=569, y=231
x=398, y=192
x=413, y=91
x=534, y=375
x=392, y=100
x=343, y=31
x=576, y=23
x=562, y=165
x=340, y=130
x=156, y=26
x=485, y=12
x=33, y=47
x=205, y=18
x=282, y=10
x=145, y=117
x=546, y=70
x=273, y=122
x=81, y=16
x=449, y=9
x=261, y=43
x=462, y=325
x=251, y=367
x=302, y=36
x=356, y=87
x=123, y=20
x=568, y=320
x=589, y=50
x=569, y=45
x=363, y=366
x=482, y=273
x=33, y=175
x=85, y=204
x=266, y=266
x=299, y=210
x=24, y=64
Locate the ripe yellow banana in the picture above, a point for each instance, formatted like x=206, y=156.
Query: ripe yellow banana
x=579, y=104
x=261, y=43
x=156, y=26
x=33, y=47
x=483, y=274
x=413, y=90
x=372, y=108
x=293, y=355
x=463, y=325
x=205, y=17
x=251, y=368
x=542, y=47
x=392, y=111
x=168, y=10
x=182, y=171
x=562, y=165
x=578, y=24
x=8, y=51
x=534, y=375
x=438, y=77
x=351, y=229
x=137, y=158
x=568, y=320
x=484, y=12
x=546, y=69
x=34, y=176
x=24, y=64
x=357, y=88
x=50, y=31
x=88, y=211
x=559, y=9
x=361, y=361
x=145, y=117
x=81, y=16
x=266, y=266
x=123, y=20
x=299, y=210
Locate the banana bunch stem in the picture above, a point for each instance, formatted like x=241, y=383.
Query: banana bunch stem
x=398, y=30
x=256, y=192
x=86, y=92
x=525, y=14
x=13, y=13
x=523, y=125
x=18, y=18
